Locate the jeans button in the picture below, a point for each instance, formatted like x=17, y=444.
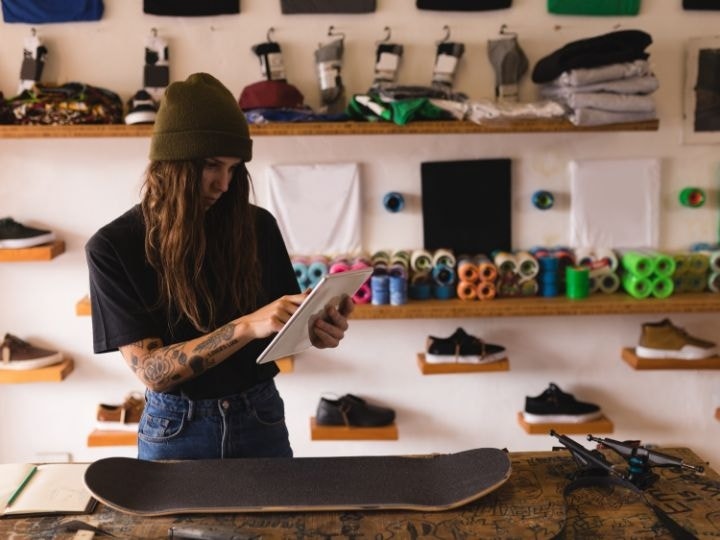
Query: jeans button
x=225, y=404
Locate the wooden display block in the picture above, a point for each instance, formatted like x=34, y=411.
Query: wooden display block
x=717, y=413
x=44, y=252
x=82, y=308
x=628, y=354
x=600, y=425
x=286, y=365
x=54, y=373
x=429, y=368
x=345, y=433
x=101, y=437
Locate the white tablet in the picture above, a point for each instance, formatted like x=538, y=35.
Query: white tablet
x=295, y=335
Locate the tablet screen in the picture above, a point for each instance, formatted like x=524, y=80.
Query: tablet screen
x=295, y=335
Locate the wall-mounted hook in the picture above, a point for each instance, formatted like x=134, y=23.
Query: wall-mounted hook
x=387, y=34
x=269, y=33
x=332, y=32
x=446, y=38
x=504, y=31
x=33, y=32
x=153, y=31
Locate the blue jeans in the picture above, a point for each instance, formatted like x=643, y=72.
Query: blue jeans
x=249, y=424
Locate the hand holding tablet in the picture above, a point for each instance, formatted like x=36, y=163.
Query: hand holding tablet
x=295, y=335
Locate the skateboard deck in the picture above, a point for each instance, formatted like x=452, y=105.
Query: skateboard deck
x=432, y=482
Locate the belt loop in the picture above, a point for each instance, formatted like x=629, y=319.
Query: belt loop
x=191, y=405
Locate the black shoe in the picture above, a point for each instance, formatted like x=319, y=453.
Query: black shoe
x=142, y=109
x=554, y=405
x=461, y=347
x=14, y=235
x=350, y=410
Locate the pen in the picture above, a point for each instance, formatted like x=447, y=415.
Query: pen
x=17, y=491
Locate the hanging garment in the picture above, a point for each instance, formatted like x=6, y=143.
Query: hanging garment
x=614, y=203
x=191, y=8
x=462, y=5
x=509, y=63
x=291, y=7
x=317, y=207
x=595, y=7
x=50, y=11
x=612, y=48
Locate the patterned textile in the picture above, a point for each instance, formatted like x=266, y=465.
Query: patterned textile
x=70, y=103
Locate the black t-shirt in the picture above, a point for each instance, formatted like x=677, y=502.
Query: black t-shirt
x=124, y=293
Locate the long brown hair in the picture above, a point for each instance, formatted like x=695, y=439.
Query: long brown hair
x=187, y=244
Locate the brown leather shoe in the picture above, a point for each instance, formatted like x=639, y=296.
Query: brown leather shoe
x=16, y=354
x=119, y=416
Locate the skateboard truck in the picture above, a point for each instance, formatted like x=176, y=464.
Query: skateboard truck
x=640, y=460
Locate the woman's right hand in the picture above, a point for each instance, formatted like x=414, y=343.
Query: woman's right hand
x=272, y=317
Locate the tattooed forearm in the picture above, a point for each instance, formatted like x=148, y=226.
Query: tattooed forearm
x=217, y=338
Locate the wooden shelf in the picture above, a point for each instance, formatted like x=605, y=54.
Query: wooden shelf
x=82, y=308
x=598, y=304
x=601, y=425
x=429, y=368
x=100, y=437
x=345, y=433
x=44, y=252
x=717, y=413
x=539, y=125
x=54, y=373
x=628, y=354
x=286, y=365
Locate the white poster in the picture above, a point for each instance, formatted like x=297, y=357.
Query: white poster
x=614, y=203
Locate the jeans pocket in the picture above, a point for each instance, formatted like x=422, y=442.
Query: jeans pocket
x=155, y=428
x=270, y=410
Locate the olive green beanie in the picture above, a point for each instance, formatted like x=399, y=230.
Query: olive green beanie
x=199, y=118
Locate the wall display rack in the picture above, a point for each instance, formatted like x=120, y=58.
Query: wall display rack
x=101, y=437
x=54, y=373
x=600, y=425
x=351, y=433
x=44, y=252
x=601, y=304
x=449, y=127
x=429, y=368
x=628, y=354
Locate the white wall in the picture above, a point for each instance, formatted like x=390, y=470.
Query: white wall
x=75, y=185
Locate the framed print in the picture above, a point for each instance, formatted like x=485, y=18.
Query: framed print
x=701, y=103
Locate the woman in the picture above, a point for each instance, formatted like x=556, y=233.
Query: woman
x=191, y=284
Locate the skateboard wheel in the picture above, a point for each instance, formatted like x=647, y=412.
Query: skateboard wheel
x=543, y=200
x=692, y=197
x=393, y=201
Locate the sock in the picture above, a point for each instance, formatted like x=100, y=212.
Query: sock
x=387, y=62
x=446, y=61
x=156, y=75
x=510, y=64
x=328, y=59
x=272, y=67
x=34, y=53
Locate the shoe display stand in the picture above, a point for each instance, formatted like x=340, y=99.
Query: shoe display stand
x=428, y=368
x=102, y=437
x=351, y=433
x=628, y=354
x=55, y=373
x=82, y=308
x=534, y=125
x=44, y=252
x=600, y=425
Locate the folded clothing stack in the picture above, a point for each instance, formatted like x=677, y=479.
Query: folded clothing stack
x=601, y=80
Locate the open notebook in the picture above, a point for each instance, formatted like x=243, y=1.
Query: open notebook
x=50, y=488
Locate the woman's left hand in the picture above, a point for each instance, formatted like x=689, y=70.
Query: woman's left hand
x=327, y=331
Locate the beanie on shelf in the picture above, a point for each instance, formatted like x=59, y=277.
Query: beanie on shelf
x=199, y=118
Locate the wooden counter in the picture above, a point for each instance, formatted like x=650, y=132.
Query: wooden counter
x=529, y=505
